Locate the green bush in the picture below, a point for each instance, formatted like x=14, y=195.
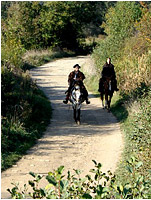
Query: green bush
x=97, y=185
x=25, y=113
x=118, y=25
x=134, y=112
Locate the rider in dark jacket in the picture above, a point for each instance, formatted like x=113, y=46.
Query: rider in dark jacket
x=108, y=71
x=76, y=75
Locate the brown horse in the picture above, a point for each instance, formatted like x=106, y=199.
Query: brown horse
x=107, y=91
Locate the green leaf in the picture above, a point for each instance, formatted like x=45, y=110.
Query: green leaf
x=121, y=188
x=86, y=196
x=32, y=174
x=89, y=177
x=51, y=180
x=42, y=192
x=64, y=184
x=50, y=173
x=139, y=164
x=93, y=170
x=94, y=162
x=78, y=172
x=31, y=183
x=48, y=186
x=99, y=165
x=60, y=169
x=129, y=169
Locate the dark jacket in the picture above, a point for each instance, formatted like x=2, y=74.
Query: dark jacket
x=80, y=77
x=108, y=71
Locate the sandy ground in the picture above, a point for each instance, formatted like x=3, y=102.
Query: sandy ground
x=64, y=142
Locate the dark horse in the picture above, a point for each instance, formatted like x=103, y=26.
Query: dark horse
x=107, y=91
x=76, y=99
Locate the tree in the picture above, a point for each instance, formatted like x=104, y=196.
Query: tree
x=54, y=23
x=120, y=19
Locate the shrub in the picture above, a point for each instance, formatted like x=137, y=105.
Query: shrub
x=118, y=25
x=25, y=113
x=98, y=185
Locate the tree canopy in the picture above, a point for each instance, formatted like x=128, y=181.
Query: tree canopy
x=52, y=23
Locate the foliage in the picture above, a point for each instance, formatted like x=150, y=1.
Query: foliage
x=134, y=71
x=22, y=102
x=121, y=18
x=4, y=7
x=129, y=50
x=132, y=60
x=11, y=48
x=134, y=66
x=51, y=24
x=118, y=25
x=98, y=185
x=134, y=113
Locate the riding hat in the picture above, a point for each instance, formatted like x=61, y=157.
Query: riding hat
x=77, y=65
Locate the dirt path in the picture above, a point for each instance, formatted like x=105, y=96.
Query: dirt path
x=65, y=143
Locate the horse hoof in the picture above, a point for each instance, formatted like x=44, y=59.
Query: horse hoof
x=78, y=122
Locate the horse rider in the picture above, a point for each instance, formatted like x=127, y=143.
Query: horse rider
x=76, y=75
x=108, y=71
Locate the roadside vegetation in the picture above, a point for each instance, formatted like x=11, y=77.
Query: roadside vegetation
x=34, y=33
x=131, y=54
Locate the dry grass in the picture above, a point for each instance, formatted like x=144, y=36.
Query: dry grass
x=134, y=71
x=34, y=53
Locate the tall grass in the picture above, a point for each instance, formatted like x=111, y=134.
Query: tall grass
x=134, y=70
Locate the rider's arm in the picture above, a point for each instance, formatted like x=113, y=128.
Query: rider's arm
x=70, y=78
x=82, y=76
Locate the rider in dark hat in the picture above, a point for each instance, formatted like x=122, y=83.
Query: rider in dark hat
x=76, y=75
x=108, y=71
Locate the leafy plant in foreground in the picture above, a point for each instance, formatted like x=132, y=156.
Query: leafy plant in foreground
x=98, y=185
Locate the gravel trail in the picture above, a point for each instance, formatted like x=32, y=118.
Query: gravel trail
x=64, y=142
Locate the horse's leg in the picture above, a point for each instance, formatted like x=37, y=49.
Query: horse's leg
x=78, y=116
x=109, y=102
x=74, y=114
x=102, y=99
x=106, y=99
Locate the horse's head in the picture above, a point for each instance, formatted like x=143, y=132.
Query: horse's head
x=76, y=96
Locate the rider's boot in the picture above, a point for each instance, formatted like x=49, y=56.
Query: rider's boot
x=116, y=89
x=115, y=85
x=66, y=91
x=87, y=101
x=66, y=100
